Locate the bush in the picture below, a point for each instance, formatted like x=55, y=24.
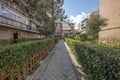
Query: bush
x=100, y=62
x=10, y=41
x=70, y=35
x=12, y=55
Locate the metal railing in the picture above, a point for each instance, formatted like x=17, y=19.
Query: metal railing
x=13, y=23
x=14, y=7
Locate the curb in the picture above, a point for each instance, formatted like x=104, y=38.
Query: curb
x=80, y=75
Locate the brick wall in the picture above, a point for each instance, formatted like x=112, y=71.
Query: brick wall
x=110, y=9
x=7, y=33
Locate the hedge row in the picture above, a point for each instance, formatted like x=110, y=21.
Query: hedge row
x=12, y=55
x=10, y=41
x=100, y=62
x=4, y=42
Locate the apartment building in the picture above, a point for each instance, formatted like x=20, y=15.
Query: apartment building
x=67, y=28
x=15, y=22
x=63, y=28
x=83, y=26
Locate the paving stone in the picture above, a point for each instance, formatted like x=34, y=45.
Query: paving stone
x=57, y=67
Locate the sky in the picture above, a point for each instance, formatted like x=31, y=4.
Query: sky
x=77, y=10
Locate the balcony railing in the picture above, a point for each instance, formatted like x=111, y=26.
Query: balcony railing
x=15, y=24
x=12, y=23
x=14, y=6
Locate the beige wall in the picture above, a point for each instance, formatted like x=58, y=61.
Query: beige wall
x=110, y=36
x=110, y=9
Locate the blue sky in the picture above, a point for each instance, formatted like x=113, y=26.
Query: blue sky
x=75, y=7
x=76, y=10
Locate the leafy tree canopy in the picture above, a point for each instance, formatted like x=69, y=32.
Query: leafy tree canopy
x=47, y=11
x=94, y=24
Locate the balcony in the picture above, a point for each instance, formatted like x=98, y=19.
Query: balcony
x=4, y=21
x=13, y=19
x=14, y=7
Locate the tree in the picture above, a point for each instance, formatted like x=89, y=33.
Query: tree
x=45, y=32
x=44, y=11
x=93, y=26
x=57, y=12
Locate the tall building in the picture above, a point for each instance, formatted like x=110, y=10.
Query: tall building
x=15, y=23
x=83, y=23
x=83, y=26
x=110, y=9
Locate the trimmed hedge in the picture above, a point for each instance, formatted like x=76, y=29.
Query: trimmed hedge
x=5, y=42
x=12, y=55
x=100, y=62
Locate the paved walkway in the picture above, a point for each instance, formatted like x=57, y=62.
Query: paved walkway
x=58, y=66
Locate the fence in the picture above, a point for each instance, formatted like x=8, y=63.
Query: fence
x=29, y=66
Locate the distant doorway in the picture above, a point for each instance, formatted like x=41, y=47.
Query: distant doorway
x=15, y=37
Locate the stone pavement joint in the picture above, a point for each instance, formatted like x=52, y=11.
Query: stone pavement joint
x=58, y=66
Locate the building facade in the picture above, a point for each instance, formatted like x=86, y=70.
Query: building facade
x=13, y=20
x=83, y=26
x=63, y=28
x=110, y=9
x=59, y=27
x=67, y=28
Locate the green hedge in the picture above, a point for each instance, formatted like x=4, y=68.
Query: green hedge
x=5, y=42
x=100, y=62
x=12, y=55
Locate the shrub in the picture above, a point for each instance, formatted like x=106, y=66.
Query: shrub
x=10, y=41
x=4, y=42
x=100, y=62
x=12, y=55
x=70, y=35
